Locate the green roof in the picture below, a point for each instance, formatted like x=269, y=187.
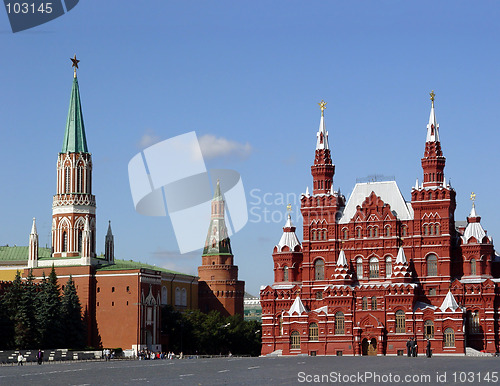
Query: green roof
x=74, y=137
x=129, y=264
x=20, y=253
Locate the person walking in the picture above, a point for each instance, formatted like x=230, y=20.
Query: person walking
x=408, y=347
x=428, y=350
x=415, y=347
x=20, y=359
x=39, y=357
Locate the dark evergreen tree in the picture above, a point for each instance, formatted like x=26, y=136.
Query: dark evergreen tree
x=73, y=328
x=11, y=300
x=25, y=317
x=49, y=312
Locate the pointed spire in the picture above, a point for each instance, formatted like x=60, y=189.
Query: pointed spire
x=217, y=241
x=342, y=261
x=307, y=191
x=444, y=181
x=473, y=213
x=416, y=184
x=74, y=136
x=401, y=258
x=109, y=233
x=297, y=307
x=217, y=194
x=33, y=227
x=322, y=141
x=332, y=192
x=288, y=223
x=432, y=126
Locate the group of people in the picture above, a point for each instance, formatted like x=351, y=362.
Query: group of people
x=412, y=348
x=21, y=358
x=108, y=354
x=146, y=354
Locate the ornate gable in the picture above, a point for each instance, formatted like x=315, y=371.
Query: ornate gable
x=373, y=209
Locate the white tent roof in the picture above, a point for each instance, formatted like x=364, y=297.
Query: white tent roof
x=388, y=191
x=297, y=306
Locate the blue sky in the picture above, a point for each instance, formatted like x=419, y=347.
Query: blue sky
x=250, y=73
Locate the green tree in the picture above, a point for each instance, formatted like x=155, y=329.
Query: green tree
x=71, y=313
x=25, y=318
x=49, y=314
x=12, y=299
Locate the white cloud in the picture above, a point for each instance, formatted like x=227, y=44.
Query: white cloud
x=213, y=147
x=149, y=138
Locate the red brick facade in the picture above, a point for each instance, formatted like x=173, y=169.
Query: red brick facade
x=375, y=270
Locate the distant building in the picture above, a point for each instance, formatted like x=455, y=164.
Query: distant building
x=219, y=287
x=375, y=270
x=121, y=300
x=252, y=308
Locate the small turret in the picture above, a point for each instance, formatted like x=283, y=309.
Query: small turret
x=109, y=246
x=33, y=247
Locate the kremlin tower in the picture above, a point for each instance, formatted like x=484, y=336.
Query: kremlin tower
x=219, y=287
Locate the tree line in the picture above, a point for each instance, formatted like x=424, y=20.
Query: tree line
x=36, y=315
x=194, y=332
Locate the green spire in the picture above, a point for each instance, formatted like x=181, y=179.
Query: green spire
x=74, y=137
x=217, y=194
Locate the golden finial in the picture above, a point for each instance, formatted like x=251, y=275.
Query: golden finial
x=74, y=64
x=322, y=106
x=289, y=207
x=432, y=97
x=473, y=196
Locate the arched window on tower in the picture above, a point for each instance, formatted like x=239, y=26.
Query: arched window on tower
x=319, y=269
x=67, y=180
x=374, y=303
x=80, y=238
x=432, y=265
x=403, y=231
x=431, y=229
x=325, y=237
x=473, y=267
x=437, y=229
x=313, y=235
x=364, y=303
x=374, y=268
x=400, y=322
x=79, y=179
x=375, y=231
x=370, y=232
x=388, y=266
x=345, y=234
x=387, y=231
x=285, y=273
x=358, y=232
x=339, y=323
x=359, y=267
x=65, y=242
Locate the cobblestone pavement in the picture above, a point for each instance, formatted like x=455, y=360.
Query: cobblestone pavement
x=263, y=371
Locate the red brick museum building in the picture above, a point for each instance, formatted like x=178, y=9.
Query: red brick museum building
x=375, y=270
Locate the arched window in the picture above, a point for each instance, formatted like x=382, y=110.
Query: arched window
x=80, y=238
x=400, y=322
x=313, y=331
x=437, y=229
x=65, y=242
x=387, y=231
x=339, y=323
x=359, y=267
x=373, y=267
x=345, y=234
x=426, y=230
x=183, y=297
x=374, y=303
x=67, y=179
x=388, y=266
x=164, y=293
x=429, y=329
x=364, y=303
x=370, y=232
x=319, y=269
x=449, y=337
x=285, y=273
x=325, y=236
x=358, y=232
x=431, y=229
x=177, y=296
x=314, y=235
x=432, y=265
x=375, y=231
x=403, y=231
x=295, y=340
x=473, y=267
